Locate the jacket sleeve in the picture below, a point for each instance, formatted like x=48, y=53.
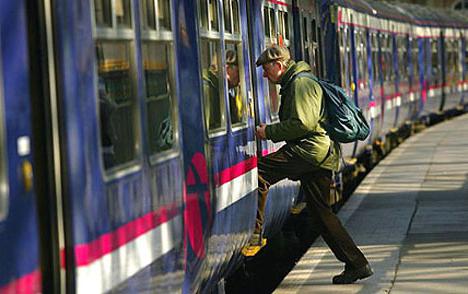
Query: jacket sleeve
x=306, y=104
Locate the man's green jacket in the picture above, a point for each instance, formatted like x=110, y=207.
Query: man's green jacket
x=300, y=113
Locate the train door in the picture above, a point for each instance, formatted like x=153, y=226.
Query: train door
x=229, y=119
x=19, y=237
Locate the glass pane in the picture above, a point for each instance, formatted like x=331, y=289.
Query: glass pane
x=164, y=15
x=314, y=30
x=160, y=116
x=102, y=13
x=304, y=28
x=214, y=15
x=272, y=23
x=281, y=24
x=266, y=18
x=203, y=14
x=285, y=25
x=116, y=103
x=236, y=86
x=149, y=19
x=236, y=16
x=213, y=88
x=123, y=13
x=227, y=16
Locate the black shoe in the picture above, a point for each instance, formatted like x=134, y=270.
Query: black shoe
x=349, y=276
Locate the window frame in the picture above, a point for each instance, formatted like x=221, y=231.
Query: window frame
x=4, y=181
x=165, y=37
x=236, y=39
x=127, y=35
x=210, y=35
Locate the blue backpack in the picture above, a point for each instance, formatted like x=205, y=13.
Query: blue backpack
x=345, y=122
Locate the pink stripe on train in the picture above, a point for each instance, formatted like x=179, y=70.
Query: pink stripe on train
x=29, y=283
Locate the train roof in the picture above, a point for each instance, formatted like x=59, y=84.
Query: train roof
x=427, y=16
x=391, y=11
x=358, y=5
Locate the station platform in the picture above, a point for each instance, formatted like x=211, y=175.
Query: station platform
x=410, y=218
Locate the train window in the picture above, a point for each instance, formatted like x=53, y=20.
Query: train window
x=103, y=13
x=305, y=40
x=116, y=103
x=284, y=24
x=227, y=16
x=273, y=32
x=362, y=58
x=213, y=86
x=203, y=15
x=414, y=61
x=402, y=57
x=435, y=61
x=235, y=82
x=266, y=21
x=213, y=15
x=149, y=17
x=122, y=13
x=236, y=16
x=164, y=15
x=157, y=60
x=234, y=67
x=4, y=197
x=314, y=30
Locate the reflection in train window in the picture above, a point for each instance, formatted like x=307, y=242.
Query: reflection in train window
x=361, y=48
x=305, y=40
x=414, y=62
x=235, y=12
x=157, y=54
x=236, y=82
x=227, y=16
x=159, y=95
x=402, y=57
x=103, y=13
x=203, y=10
x=234, y=67
x=122, y=13
x=266, y=20
x=213, y=15
x=213, y=86
x=435, y=62
x=273, y=27
x=116, y=103
x=148, y=14
x=212, y=71
x=164, y=15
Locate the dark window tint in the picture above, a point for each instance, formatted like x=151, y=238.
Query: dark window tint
x=103, y=13
x=159, y=95
x=123, y=13
x=116, y=103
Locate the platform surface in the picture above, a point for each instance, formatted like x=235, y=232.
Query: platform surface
x=410, y=218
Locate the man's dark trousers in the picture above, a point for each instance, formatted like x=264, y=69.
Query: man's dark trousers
x=316, y=185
